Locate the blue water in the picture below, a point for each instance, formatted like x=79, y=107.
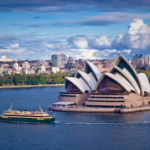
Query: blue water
x=71, y=131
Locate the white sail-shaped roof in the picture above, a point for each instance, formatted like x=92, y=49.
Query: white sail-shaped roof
x=133, y=82
x=127, y=76
x=86, y=81
x=88, y=78
x=122, y=72
x=127, y=68
x=79, y=83
x=121, y=80
x=145, y=83
x=97, y=73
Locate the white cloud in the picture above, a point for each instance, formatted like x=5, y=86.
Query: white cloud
x=16, y=45
x=99, y=48
x=102, y=42
x=111, y=53
x=96, y=54
x=137, y=37
x=119, y=38
x=49, y=45
x=80, y=46
x=83, y=53
x=79, y=42
x=127, y=51
x=106, y=19
x=138, y=26
x=106, y=53
x=11, y=51
x=15, y=49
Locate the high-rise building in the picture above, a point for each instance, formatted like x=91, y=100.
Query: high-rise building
x=59, y=60
x=3, y=58
x=137, y=56
x=70, y=60
x=43, y=69
x=16, y=67
x=147, y=60
x=26, y=65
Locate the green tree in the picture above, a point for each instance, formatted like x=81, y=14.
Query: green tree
x=1, y=80
x=57, y=78
x=23, y=79
x=8, y=79
x=35, y=81
x=44, y=79
x=18, y=79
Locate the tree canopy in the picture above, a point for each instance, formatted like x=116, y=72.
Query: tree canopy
x=18, y=79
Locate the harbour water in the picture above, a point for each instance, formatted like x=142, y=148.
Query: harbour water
x=71, y=131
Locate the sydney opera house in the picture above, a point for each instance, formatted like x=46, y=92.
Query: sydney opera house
x=119, y=88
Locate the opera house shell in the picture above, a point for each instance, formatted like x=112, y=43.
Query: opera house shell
x=121, y=87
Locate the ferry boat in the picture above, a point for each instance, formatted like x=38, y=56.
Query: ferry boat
x=26, y=116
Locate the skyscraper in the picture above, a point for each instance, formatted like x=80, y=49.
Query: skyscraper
x=59, y=60
x=147, y=60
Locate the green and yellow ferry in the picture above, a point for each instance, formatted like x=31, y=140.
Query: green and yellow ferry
x=26, y=116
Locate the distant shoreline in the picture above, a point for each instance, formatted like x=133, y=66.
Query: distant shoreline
x=28, y=86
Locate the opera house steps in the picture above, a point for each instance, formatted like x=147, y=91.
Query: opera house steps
x=76, y=97
x=110, y=101
x=116, y=101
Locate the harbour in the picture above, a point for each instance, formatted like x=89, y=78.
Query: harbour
x=74, y=75
x=101, y=130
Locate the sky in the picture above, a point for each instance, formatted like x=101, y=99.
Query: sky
x=82, y=29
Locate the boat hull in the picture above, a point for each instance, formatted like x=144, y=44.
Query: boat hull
x=32, y=120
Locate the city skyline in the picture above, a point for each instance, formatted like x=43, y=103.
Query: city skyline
x=81, y=29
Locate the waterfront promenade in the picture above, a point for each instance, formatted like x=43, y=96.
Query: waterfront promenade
x=28, y=86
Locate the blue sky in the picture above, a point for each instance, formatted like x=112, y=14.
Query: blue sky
x=88, y=29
